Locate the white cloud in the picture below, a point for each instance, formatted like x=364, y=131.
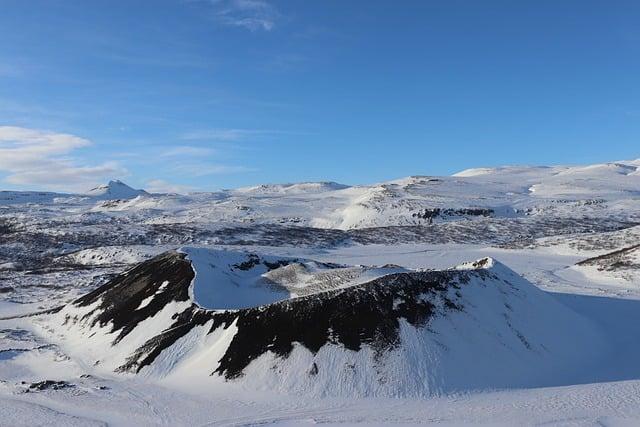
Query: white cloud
x=41, y=158
x=253, y=15
x=162, y=186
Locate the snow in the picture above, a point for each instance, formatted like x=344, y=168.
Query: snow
x=217, y=285
x=608, y=180
x=23, y=197
x=222, y=283
x=114, y=190
x=94, y=344
x=468, y=367
x=302, y=187
x=110, y=255
x=336, y=206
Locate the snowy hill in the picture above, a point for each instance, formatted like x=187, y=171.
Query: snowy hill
x=359, y=331
x=609, y=180
x=115, y=190
x=295, y=188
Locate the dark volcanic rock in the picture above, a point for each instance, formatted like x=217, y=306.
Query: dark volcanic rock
x=49, y=385
x=121, y=298
x=366, y=314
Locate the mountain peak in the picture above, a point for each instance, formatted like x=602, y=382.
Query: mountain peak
x=115, y=189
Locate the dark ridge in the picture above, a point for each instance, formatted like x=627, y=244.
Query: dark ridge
x=252, y=261
x=121, y=297
x=364, y=314
x=50, y=385
x=623, y=251
x=277, y=264
x=480, y=263
x=35, y=313
x=430, y=213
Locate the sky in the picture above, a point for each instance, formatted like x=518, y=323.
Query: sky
x=196, y=95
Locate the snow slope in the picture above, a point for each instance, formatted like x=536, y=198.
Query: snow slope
x=607, y=180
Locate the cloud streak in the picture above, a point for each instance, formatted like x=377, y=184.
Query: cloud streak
x=42, y=158
x=252, y=15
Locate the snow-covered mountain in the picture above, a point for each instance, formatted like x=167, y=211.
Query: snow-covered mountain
x=224, y=317
x=295, y=188
x=115, y=190
x=485, y=194
x=417, y=200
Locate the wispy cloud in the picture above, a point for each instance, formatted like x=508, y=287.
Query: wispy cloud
x=35, y=157
x=197, y=161
x=253, y=15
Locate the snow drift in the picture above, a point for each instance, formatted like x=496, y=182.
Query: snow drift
x=223, y=319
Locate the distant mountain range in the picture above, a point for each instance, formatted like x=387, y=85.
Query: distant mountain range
x=505, y=192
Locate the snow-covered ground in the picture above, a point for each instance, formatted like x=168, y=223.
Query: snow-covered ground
x=557, y=343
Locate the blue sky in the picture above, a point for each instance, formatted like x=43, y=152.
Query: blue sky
x=207, y=94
